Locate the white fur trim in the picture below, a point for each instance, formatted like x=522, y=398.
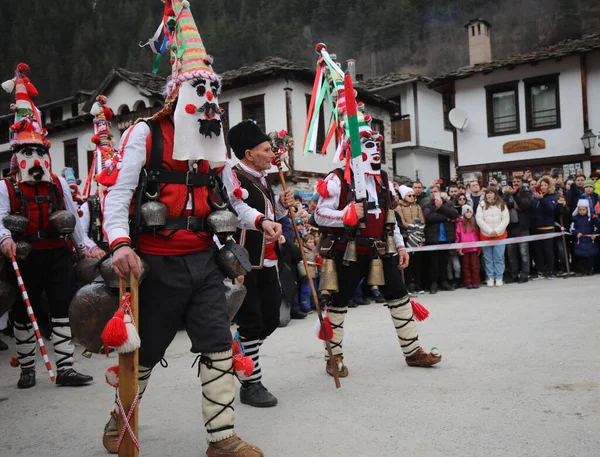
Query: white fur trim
x=9, y=85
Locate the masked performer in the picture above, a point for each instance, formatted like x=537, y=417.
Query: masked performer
x=366, y=251
x=175, y=153
x=37, y=214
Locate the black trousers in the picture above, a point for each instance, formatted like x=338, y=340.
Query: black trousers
x=414, y=272
x=544, y=253
x=188, y=290
x=50, y=271
x=258, y=316
x=438, y=266
x=350, y=275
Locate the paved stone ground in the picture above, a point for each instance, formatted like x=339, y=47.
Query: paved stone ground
x=520, y=377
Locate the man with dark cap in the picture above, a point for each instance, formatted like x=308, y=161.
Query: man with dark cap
x=257, y=207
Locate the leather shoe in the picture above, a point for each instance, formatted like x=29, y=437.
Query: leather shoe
x=523, y=280
x=424, y=359
x=3, y=346
x=434, y=288
x=255, y=394
x=70, y=377
x=297, y=314
x=27, y=378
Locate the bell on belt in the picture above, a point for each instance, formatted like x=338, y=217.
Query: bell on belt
x=329, y=279
x=23, y=250
x=63, y=222
x=390, y=246
x=154, y=214
x=15, y=223
x=376, y=277
x=390, y=217
x=350, y=253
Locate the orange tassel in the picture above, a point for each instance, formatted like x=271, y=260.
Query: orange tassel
x=115, y=332
x=421, y=313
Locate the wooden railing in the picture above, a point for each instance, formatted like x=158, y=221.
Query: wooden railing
x=401, y=131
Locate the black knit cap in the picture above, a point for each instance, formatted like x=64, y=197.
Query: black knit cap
x=245, y=135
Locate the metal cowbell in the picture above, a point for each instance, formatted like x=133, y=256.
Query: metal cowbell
x=154, y=214
x=390, y=246
x=390, y=217
x=350, y=253
x=63, y=222
x=329, y=279
x=15, y=223
x=376, y=277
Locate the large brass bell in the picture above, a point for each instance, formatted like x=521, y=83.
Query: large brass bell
x=390, y=246
x=329, y=279
x=390, y=217
x=350, y=253
x=154, y=214
x=376, y=277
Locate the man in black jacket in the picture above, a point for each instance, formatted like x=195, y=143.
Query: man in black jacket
x=440, y=219
x=518, y=200
x=574, y=192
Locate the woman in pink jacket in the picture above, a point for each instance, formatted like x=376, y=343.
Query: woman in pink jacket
x=467, y=231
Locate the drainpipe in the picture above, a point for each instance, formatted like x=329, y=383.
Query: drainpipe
x=288, y=117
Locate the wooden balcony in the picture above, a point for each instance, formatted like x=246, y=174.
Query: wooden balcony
x=401, y=131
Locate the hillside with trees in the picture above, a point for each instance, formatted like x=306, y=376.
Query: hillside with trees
x=73, y=44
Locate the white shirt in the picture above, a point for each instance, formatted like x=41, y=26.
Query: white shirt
x=80, y=238
x=247, y=215
x=327, y=214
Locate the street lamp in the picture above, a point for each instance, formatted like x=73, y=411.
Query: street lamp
x=589, y=140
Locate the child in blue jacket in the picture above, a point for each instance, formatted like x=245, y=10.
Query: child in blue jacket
x=585, y=228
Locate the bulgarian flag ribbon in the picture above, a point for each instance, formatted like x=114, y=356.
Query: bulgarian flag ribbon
x=360, y=188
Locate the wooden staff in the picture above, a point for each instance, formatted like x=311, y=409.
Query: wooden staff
x=128, y=373
x=331, y=362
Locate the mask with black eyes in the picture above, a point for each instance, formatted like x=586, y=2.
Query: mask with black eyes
x=371, y=151
x=34, y=164
x=197, y=118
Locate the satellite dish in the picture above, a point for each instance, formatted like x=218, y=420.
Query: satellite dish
x=458, y=118
x=86, y=141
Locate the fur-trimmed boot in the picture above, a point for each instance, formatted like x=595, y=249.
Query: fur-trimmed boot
x=110, y=437
x=336, y=318
x=408, y=336
x=216, y=374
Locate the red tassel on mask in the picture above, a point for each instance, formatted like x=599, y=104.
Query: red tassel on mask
x=421, y=313
x=115, y=332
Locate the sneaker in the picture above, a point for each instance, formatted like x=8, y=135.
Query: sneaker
x=352, y=304
x=27, y=378
x=475, y=286
x=490, y=283
x=523, y=280
x=380, y=299
x=468, y=286
x=255, y=394
x=447, y=286
x=434, y=288
x=549, y=276
x=421, y=291
x=233, y=447
x=70, y=377
x=341, y=368
x=539, y=276
x=499, y=283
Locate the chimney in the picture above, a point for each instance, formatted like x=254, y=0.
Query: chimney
x=480, y=48
x=351, y=67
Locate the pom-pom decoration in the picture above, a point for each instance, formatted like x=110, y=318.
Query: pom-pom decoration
x=350, y=217
x=319, y=330
x=115, y=332
x=14, y=362
x=111, y=376
x=421, y=313
x=190, y=108
x=322, y=188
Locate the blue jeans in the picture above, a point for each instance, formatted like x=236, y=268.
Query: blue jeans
x=306, y=299
x=494, y=261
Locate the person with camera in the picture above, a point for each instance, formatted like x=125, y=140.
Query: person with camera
x=518, y=201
